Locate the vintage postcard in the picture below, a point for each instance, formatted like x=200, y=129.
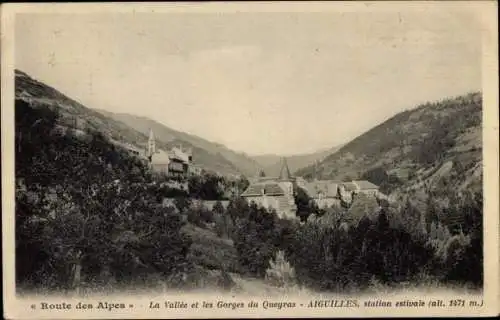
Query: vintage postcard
x=250, y=160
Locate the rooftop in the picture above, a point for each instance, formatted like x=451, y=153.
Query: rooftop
x=350, y=186
x=365, y=184
x=269, y=187
x=328, y=188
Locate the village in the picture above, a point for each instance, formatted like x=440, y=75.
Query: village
x=276, y=193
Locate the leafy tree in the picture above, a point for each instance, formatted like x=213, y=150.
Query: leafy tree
x=207, y=186
x=305, y=205
x=255, y=240
x=237, y=209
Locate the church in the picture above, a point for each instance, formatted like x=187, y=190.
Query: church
x=276, y=193
x=279, y=193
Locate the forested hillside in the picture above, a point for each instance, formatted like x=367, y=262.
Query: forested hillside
x=433, y=146
x=210, y=155
x=71, y=113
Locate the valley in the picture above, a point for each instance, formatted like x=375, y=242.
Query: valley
x=83, y=202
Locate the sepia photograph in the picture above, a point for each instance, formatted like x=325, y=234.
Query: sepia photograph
x=306, y=159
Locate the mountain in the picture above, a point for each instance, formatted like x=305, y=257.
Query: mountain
x=271, y=163
x=433, y=147
x=209, y=154
x=73, y=114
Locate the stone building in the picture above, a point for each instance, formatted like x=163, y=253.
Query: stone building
x=276, y=193
x=347, y=190
x=324, y=193
x=328, y=193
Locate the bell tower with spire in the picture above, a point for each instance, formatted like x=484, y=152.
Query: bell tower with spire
x=285, y=171
x=151, y=146
x=287, y=183
x=285, y=179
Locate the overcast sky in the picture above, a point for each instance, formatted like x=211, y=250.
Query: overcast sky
x=258, y=83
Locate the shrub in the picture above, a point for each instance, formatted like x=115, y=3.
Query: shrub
x=280, y=273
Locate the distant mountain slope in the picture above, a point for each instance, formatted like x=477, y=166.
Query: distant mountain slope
x=271, y=164
x=435, y=146
x=207, y=152
x=74, y=115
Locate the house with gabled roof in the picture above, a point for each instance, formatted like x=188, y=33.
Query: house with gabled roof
x=365, y=187
x=349, y=189
x=324, y=193
x=358, y=186
x=176, y=162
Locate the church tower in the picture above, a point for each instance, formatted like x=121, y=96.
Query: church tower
x=285, y=177
x=151, y=145
x=287, y=183
x=285, y=171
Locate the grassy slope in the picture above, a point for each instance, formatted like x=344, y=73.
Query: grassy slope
x=421, y=146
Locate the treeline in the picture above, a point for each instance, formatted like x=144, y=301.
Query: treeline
x=85, y=211
x=211, y=186
x=394, y=245
x=205, y=186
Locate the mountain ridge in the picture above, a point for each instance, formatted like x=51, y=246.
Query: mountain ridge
x=423, y=150
x=271, y=163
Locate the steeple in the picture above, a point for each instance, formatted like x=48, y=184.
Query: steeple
x=151, y=145
x=285, y=172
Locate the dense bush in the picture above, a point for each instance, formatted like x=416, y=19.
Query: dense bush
x=224, y=226
x=200, y=216
x=280, y=273
x=254, y=237
x=456, y=233
x=305, y=205
x=210, y=186
x=379, y=176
